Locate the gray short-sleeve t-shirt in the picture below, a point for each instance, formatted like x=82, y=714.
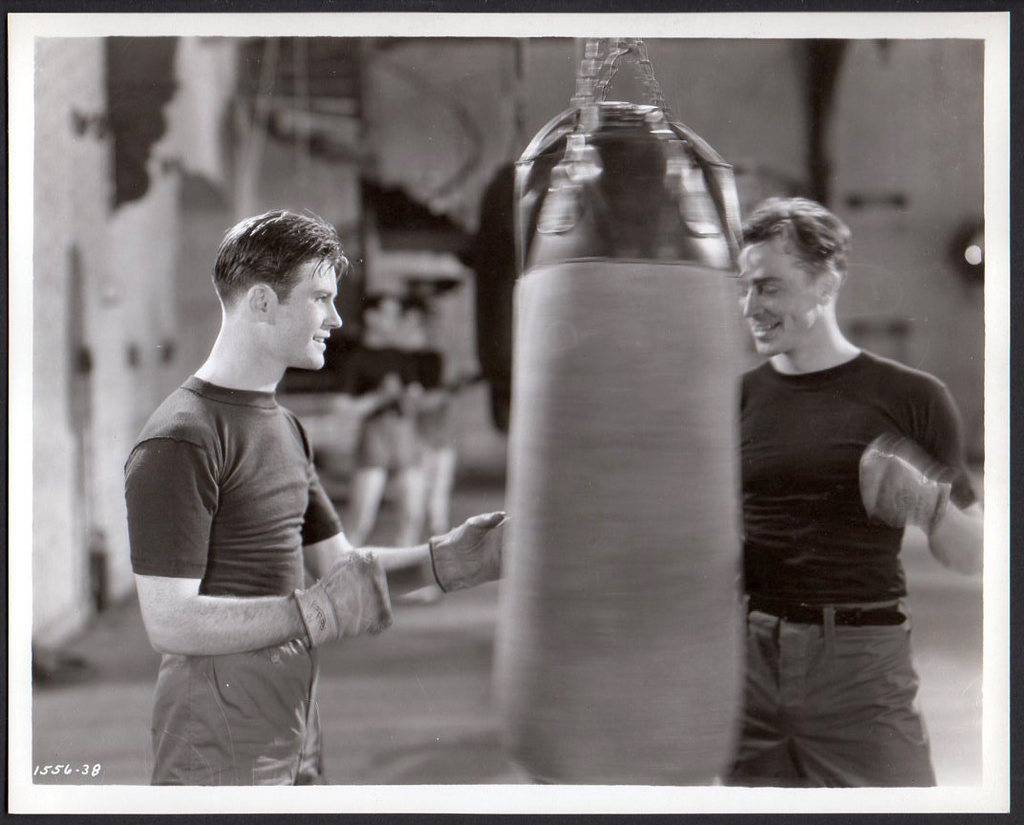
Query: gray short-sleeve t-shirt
x=221, y=486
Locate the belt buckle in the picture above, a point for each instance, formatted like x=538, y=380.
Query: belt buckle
x=805, y=611
x=854, y=616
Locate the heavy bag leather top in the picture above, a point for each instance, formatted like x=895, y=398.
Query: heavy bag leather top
x=620, y=181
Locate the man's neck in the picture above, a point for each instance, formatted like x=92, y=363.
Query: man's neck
x=239, y=364
x=827, y=350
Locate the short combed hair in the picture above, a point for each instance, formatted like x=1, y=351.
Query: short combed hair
x=821, y=240
x=269, y=249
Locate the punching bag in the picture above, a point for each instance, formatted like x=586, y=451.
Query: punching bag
x=617, y=658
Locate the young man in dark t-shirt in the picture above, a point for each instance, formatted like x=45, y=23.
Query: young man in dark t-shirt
x=840, y=450
x=226, y=515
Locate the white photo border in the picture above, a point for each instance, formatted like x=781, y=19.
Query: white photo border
x=991, y=796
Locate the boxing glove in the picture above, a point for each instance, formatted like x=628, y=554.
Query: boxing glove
x=351, y=599
x=470, y=554
x=900, y=484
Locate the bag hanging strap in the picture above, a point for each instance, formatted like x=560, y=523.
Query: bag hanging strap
x=598, y=68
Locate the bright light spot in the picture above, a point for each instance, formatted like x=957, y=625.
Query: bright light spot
x=973, y=254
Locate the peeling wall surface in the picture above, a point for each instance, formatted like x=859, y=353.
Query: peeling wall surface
x=105, y=327
x=72, y=182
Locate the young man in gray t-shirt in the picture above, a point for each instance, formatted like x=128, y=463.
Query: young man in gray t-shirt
x=225, y=513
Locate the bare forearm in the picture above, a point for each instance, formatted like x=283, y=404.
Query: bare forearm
x=396, y=558
x=957, y=540
x=213, y=625
x=322, y=556
x=393, y=558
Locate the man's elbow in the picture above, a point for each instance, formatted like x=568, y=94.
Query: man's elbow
x=957, y=541
x=972, y=563
x=166, y=606
x=162, y=643
x=964, y=557
x=159, y=646
x=166, y=637
x=967, y=564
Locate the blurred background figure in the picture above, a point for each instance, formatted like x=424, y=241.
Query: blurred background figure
x=380, y=375
x=434, y=422
x=422, y=337
x=443, y=378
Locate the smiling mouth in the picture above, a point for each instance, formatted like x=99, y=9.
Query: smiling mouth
x=760, y=330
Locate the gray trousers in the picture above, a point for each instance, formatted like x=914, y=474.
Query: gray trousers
x=239, y=719
x=828, y=706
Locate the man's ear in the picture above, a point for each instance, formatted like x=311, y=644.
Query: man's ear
x=261, y=302
x=828, y=285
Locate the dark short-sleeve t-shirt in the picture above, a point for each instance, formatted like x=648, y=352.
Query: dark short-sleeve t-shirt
x=221, y=486
x=807, y=536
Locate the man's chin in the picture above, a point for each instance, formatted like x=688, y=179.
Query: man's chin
x=310, y=363
x=765, y=347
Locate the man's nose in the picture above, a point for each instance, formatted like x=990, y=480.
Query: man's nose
x=748, y=303
x=334, y=319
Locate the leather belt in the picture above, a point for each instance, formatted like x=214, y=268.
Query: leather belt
x=803, y=613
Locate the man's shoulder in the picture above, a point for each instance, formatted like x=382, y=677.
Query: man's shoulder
x=293, y=419
x=298, y=429
x=182, y=416
x=897, y=375
x=756, y=374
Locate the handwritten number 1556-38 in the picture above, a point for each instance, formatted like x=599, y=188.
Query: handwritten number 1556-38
x=68, y=770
